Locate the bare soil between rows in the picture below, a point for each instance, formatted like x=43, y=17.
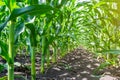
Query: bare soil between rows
x=77, y=65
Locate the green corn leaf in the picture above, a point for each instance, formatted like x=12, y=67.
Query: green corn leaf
x=63, y=2
x=111, y=1
x=1, y=67
x=1, y=3
x=28, y=43
x=10, y=4
x=30, y=26
x=30, y=10
x=102, y=66
x=2, y=25
x=34, y=2
x=3, y=51
x=33, y=34
x=20, y=0
x=20, y=29
x=7, y=3
x=99, y=4
x=110, y=51
x=4, y=78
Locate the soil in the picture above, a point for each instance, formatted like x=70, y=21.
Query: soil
x=77, y=65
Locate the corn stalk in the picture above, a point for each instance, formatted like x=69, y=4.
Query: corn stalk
x=11, y=52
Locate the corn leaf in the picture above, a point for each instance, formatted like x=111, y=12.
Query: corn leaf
x=3, y=51
x=29, y=45
x=20, y=29
x=33, y=34
x=2, y=25
x=110, y=51
x=1, y=67
x=1, y=3
x=30, y=10
x=10, y=4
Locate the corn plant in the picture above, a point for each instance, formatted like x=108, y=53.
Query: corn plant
x=14, y=13
x=60, y=26
x=54, y=30
x=99, y=26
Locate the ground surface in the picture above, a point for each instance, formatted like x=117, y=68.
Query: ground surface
x=77, y=65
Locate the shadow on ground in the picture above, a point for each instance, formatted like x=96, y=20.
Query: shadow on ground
x=77, y=65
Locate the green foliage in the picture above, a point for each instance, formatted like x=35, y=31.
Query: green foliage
x=4, y=78
x=30, y=10
x=19, y=30
x=3, y=51
x=102, y=66
x=59, y=26
x=1, y=67
x=111, y=51
x=99, y=26
x=10, y=4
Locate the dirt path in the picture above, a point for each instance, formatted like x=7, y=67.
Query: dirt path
x=78, y=65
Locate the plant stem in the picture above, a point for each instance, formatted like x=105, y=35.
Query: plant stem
x=54, y=54
x=33, y=70
x=48, y=56
x=11, y=52
x=43, y=54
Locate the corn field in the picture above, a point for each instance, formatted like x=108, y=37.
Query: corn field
x=54, y=28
